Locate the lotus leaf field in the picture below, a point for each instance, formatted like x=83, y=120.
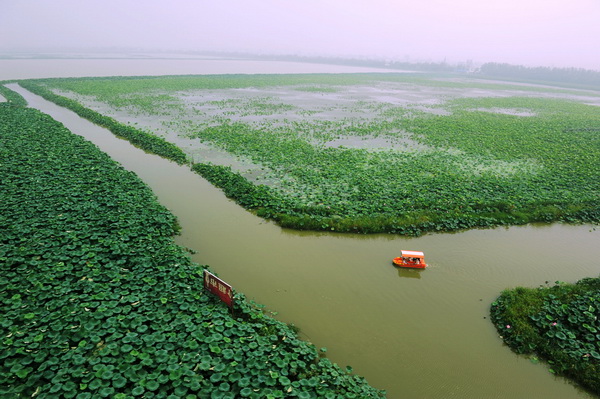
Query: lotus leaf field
x=559, y=324
x=398, y=153
x=97, y=300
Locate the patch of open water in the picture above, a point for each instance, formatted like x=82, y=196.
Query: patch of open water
x=506, y=111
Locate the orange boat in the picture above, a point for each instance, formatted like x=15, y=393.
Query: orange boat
x=412, y=259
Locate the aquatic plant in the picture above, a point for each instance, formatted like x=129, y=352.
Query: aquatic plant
x=137, y=137
x=560, y=324
x=11, y=96
x=97, y=300
x=368, y=165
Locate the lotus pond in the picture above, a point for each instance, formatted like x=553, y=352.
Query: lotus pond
x=372, y=152
x=98, y=301
x=416, y=334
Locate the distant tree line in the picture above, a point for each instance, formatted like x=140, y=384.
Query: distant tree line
x=425, y=66
x=571, y=76
x=378, y=63
x=361, y=62
x=579, y=77
x=374, y=63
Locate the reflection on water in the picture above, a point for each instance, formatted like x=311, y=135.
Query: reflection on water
x=409, y=273
x=425, y=334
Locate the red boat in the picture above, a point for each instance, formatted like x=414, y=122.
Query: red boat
x=411, y=259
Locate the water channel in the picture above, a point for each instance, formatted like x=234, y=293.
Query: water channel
x=417, y=334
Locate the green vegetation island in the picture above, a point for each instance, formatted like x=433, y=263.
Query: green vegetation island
x=558, y=324
x=98, y=300
x=366, y=153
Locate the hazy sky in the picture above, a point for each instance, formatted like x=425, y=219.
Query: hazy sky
x=529, y=32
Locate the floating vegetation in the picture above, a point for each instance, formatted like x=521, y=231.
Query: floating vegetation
x=506, y=111
x=560, y=324
x=12, y=97
x=97, y=300
x=317, y=89
x=137, y=137
x=391, y=153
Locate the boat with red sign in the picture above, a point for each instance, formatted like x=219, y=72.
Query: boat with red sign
x=411, y=259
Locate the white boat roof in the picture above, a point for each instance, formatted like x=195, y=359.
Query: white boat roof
x=414, y=254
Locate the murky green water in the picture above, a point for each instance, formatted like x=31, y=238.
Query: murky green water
x=417, y=334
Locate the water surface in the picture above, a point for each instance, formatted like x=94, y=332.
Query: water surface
x=68, y=68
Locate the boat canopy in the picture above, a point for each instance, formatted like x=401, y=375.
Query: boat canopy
x=412, y=254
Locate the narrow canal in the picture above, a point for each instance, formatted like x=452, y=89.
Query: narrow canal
x=417, y=334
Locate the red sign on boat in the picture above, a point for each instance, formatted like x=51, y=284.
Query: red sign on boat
x=218, y=287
